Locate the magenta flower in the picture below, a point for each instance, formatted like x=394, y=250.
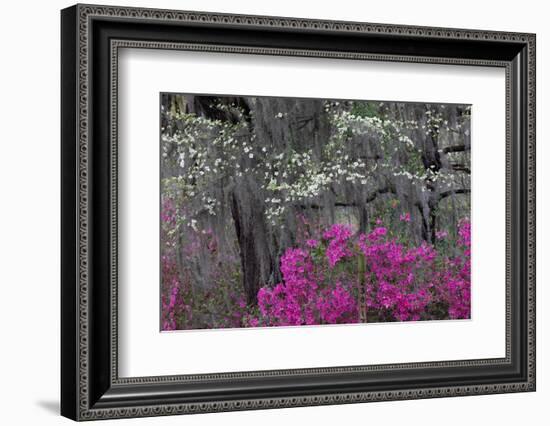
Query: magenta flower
x=441, y=235
x=377, y=233
x=338, y=246
x=311, y=243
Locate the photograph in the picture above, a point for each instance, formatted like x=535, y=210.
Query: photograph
x=283, y=211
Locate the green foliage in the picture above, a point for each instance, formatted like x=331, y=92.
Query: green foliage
x=365, y=109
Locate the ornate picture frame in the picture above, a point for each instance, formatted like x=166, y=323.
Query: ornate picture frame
x=91, y=37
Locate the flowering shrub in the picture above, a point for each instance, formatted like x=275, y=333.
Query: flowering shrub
x=185, y=304
x=323, y=285
x=300, y=300
x=331, y=276
x=174, y=306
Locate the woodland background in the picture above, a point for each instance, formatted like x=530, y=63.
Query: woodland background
x=246, y=178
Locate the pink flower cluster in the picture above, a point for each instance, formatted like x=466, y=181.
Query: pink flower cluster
x=174, y=306
x=299, y=300
x=338, y=235
x=458, y=292
x=397, y=283
x=397, y=279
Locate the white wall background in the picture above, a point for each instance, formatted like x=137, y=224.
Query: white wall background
x=29, y=212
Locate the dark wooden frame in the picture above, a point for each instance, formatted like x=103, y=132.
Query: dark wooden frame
x=91, y=37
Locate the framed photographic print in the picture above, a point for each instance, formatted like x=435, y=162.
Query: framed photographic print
x=263, y=212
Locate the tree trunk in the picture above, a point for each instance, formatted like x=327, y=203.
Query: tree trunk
x=256, y=259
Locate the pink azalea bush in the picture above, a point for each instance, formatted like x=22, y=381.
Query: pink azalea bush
x=322, y=283
x=188, y=306
x=300, y=300
x=330, y=276
x=173, y=292
x=173, y=300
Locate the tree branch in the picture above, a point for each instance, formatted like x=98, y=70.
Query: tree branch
x=453, y=192
x=369, y=198
x=460, y=167
x=455, y=148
